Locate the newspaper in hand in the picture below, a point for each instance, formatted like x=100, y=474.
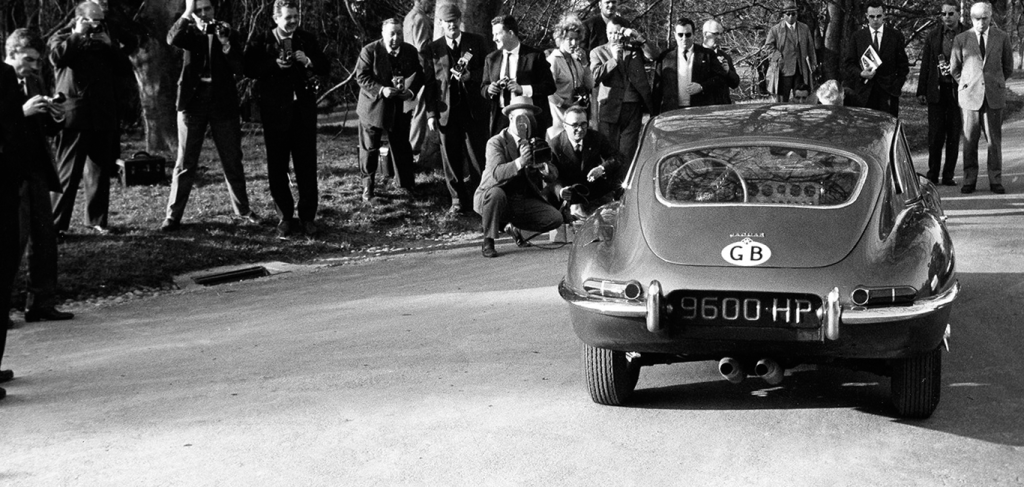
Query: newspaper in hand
x=870, y=61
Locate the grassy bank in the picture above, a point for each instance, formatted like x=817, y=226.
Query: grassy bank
x=137, y=256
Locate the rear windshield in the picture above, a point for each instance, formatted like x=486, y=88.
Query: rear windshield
x=760, y=175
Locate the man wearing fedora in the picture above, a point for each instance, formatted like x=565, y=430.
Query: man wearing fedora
x=791, y=60
x=511, y=194
x=455, y=107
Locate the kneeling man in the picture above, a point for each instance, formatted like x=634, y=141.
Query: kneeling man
x=589, y=166
x=510, y=194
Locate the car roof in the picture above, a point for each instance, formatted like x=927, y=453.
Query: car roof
x=862, y=131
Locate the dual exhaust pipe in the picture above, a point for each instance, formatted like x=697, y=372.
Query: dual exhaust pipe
x=767, y=369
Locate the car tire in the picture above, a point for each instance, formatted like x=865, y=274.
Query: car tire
x=916, y=384
x=611, y=376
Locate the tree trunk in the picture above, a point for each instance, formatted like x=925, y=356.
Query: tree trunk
x=845, y=17
x=155, y=64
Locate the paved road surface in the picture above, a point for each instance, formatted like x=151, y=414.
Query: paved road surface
x=449, y=369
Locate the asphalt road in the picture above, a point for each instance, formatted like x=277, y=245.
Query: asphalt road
x=449, y=369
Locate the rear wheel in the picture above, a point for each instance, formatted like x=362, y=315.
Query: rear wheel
x=611, y=376
x=916, y=383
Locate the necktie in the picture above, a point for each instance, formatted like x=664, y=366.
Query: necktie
x=982, y=42
x=876, y=41
x=24, y=86
x=506, y=95
x=455, y=49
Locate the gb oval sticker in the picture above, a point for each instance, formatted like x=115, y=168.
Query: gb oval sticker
x=746, y=253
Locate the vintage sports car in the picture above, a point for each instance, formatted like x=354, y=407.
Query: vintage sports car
x=764, y=237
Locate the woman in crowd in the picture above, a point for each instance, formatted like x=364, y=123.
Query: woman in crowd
x=571, y=70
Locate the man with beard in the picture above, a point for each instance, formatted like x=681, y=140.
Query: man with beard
x=286, y=61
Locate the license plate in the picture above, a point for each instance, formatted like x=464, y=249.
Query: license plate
x=746, y=309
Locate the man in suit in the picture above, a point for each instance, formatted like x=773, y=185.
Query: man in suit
x=597, y=25
x=87, y=63
x=515, y=69
x=623, y=92
x=207, y=97
x=43, y=118
x=12, y=173
x=792, y=58
x=455, y=107
x=719, y=95
x=417, y=29
x=389, y=73
x=877, y=87
x=511, y=193
x=689, y=74
x=286, y=61
x=981, y=61
x=936, y=88
x=590, y=168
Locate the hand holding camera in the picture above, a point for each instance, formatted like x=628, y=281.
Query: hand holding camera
x=943, y=66
x=460, y=72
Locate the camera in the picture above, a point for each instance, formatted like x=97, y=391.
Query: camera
x=503, y=83
x=56, y=99
x=215, y=28
x=461, y=65
x=539, y=148
x=581, y=97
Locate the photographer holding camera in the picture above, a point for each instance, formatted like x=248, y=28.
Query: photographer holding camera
x=286, y=61
x=590, y=168
x=570, y=67
x=623, y=92
x=44, y=116
x=518, y=168
x=207, y=97
x=87, y=64
x=515, y=69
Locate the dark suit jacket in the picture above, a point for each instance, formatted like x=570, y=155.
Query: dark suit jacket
x=438, y=66
x=707, y=72
x=719, y=95
x=980, y=80
x=612, y=80
x=12, y=129
x=500, y=170
x=928, y=80
x=597, y=34
x=282, y=91
x=38, y=128
x=891, y=75
x=373, y=72
x=87, y=71
x=533, y=70
x=223, y=67
x=597, y=151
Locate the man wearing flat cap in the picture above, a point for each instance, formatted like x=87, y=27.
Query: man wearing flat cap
x=791, y=55
x=455, y=107
x=511, y=195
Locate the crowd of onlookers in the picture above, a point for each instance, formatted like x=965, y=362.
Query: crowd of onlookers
x=530, y=139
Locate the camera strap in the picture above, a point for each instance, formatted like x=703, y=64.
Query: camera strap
x=570, y=61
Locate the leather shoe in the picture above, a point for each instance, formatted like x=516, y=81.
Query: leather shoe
x=967, y=189
x=488, y=248
x=310, y=229
x=3, y=393
x=6, y=376
x=368, y=195
x=252, y=218
x=997, y=189
x=948, y=182
x=517, y=235
x=47, y=314
x=286, y=228
x=170, y=225
x=455, y=209
x=101, y=230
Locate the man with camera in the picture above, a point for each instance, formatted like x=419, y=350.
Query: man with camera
x=207, y=97
x=623, y=92
x=389, y=73
x=689, y=74
x=87, y=63
x=597, y=25
x=937, y=89
x=44, y=117
x=515, y=69
x=286, y=61
x=589, y=166
x=511, y=192
x=455, y=107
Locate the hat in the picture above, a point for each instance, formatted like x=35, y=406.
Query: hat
x=789, y=5
x=449, y=12
x=521, y=102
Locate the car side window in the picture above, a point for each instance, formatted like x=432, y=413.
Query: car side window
x=903, y=169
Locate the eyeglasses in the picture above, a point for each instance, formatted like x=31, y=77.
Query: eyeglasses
x=577, y=126
x=875, y=16
x=684, y=34
x=979, y=18
x=712, y=33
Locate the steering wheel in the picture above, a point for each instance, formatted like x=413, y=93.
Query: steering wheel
x=706, y=180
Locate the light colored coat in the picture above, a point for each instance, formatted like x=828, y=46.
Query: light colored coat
x=806, y=60
x=980, y=80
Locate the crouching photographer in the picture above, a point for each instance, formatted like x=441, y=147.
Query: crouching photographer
x=589, y=166
x=510, y=196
